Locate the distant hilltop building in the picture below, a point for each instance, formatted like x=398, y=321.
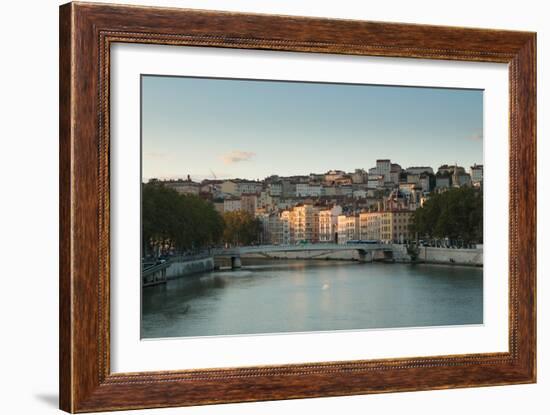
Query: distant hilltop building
x=382, y=168
x=460, y=177
x=476, y=173
x=419, y=170
x=453, y=176
x=185, y=187
x=237, y=187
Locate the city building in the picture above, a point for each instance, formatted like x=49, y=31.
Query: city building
x=328, y=223
x=285, y=234
x=229, y=187
x=275, y=189
x=249, y=187
x=304, y=224
x=476, y=173
x=334, y=175
x=427, y=182
x=238, y=187
x=383, y=168
x=375, y=181
x=360, y=194
x=266, y=201
x=395, y=226
x=308, y=190
x=334, y=206
x=369, y=226
x=348, y=228
x=419, y=170
x=231, y=204
x=395, y=173
x=265, y=234
x=446, y=169
x=442, y=180
x=184, y=187
x=249, y=202
x=359, y=176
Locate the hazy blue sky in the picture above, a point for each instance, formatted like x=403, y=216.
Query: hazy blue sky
x=252, y=129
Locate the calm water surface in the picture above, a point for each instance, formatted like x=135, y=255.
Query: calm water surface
x=297, y=296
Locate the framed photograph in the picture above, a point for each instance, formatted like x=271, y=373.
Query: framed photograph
x=259, y=207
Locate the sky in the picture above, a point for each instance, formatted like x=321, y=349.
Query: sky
x=251, y=129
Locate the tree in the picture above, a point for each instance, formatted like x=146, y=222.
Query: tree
x=241, y=228
x=181, y=221
x=454, y=214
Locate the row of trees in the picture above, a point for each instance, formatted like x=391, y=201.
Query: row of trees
x=455, y=214
x=187, y=222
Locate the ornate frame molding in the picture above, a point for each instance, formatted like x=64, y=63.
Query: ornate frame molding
x=86, y=33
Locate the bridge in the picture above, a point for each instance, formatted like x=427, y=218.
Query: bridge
x=366, y=252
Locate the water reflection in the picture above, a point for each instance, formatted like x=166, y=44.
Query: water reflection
x=274, y=297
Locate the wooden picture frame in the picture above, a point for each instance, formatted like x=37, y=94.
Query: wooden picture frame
x=86, y=33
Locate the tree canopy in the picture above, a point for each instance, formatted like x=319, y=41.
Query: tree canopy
x=184, y=221
x=241, y=228
x=187, y=222
x=454, y=214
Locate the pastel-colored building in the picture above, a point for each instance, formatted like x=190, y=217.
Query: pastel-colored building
x=328, y=223
x=348, y=228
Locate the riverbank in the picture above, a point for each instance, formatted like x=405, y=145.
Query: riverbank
x=447, y=256
x=188, y=267
x=175, y=268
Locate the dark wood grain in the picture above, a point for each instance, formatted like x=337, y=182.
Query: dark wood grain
x=86, y=33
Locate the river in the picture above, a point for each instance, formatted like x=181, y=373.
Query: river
x=300, y=296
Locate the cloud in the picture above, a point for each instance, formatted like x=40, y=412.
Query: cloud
x=155, y=155
x=477, y=136
x=237, y=157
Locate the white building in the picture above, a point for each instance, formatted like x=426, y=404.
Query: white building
x=375, y=181
x=249, y=187
x=184, y=187
x=328, y=223
x=275, y=189
x=359, y=194
x=285, y=235
x=308, y=190
x=231, y=205
x=383, y=168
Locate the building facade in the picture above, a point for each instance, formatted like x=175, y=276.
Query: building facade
x=328, y=224
x=348, y=228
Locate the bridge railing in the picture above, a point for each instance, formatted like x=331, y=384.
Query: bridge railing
x=300, y=247
x=155, y=268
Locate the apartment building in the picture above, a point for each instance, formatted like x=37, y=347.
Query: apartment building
x=328, y=223
x=348, y=228
x=395, y=226
x=304, y=223
x=369, y=226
